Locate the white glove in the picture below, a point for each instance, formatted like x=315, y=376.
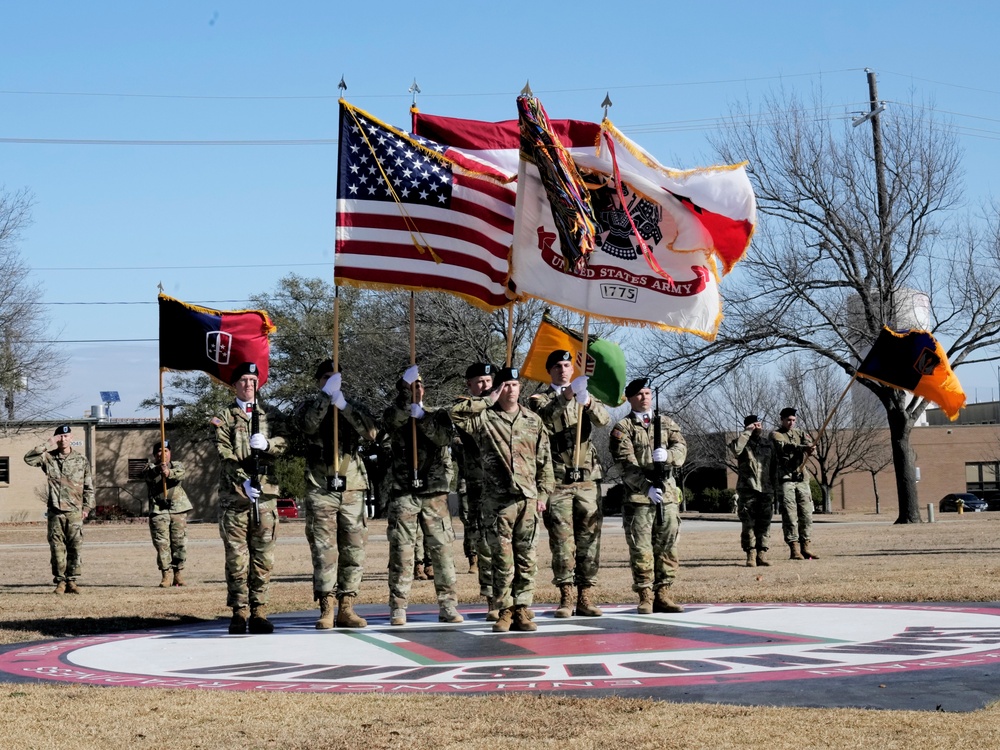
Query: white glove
x=659, y=455
x=411, y=374
x=332, y=385
x=337, y=397
x=251, y=492
x=258, y=442
x=655, y=494
x=579, y=384
x=417, y=411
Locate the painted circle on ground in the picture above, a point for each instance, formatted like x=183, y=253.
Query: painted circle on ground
x=621, y=651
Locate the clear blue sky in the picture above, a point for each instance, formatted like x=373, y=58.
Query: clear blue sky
x=215, y=223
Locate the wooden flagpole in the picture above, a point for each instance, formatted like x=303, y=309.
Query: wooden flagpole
x=822, y=430
x=510, y=334
x=163, y=435
x=417, y=483
x=577, y=475
x=336, y=369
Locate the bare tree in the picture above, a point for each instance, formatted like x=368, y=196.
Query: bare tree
x=28, y=363
x=844, y=240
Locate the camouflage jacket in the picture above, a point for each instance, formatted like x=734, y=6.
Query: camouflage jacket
x=71, y=484
x=756, y=466
x=232, y=441
x=560, y=418
x=176, y=500
x=790, y=454
x=469, y=460
x=516, y=455
x=631, y=445
x=435, y=433
x=356, y=429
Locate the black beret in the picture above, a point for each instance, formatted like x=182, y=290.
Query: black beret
x=247, y=368
x=62, y=429
x=324, y=367
x=507, y=373
x=156, y=445
x=635, y=386
x=559, y=355
x=479, y=369
x=750, y=419
x=788, y=412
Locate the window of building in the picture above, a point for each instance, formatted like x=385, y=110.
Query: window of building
x=981, y=477
x=4, y=469
x=135, y=467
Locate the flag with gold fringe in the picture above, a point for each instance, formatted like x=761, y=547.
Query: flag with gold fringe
x=194, y=338
x=605, y=360
x=913, y=360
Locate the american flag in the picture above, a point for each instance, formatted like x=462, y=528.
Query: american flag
x=415, y=214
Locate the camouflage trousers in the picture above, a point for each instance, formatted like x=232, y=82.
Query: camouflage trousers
x=474, y=541
x=652, y=546
x=754, y=509
x=337, y=531
x=573, y=519
x=249, y=550
x=796, y=511
x=511, y=527
x=65, y=535
x=430, y=514
x=420, y=554
x=169, y=533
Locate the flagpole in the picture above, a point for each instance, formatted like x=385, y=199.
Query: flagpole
x=336, y=369
x=163, y=435
x=822, y=430
x=510, y=334
x=577, y=476
x=417, y=483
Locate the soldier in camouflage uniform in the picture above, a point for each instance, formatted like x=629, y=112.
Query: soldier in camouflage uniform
x=70, y=499
x=478, y=381
x=573, y=515
x=168, y=513
x=517, y=480
x=420, y=497
x=335, y=496
x=792, y=447
x=755, y=487
x=249, y=543
x=650, y=514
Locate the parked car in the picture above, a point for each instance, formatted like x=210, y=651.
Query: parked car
x=992, y=498
x=970, y=503
x=288, y=508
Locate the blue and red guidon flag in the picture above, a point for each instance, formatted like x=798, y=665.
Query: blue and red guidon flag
x=212, y=341
x=914, y=361
x=415, y=214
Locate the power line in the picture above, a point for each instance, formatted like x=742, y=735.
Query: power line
x=173, y=268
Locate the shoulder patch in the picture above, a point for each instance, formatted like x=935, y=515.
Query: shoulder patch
x=617, y=433
x=216, y=421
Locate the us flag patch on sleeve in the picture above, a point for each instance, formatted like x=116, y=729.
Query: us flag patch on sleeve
x=216, y=421
x=617, y=433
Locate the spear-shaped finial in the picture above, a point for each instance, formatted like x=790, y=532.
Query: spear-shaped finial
x=342, y=86
x=414, y=89
x=606, y=103
x=526, y=91
x=160, y=286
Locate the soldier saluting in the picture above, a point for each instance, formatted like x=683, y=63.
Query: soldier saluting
x=792, y=447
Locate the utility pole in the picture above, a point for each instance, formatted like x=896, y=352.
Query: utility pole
x=882, y=197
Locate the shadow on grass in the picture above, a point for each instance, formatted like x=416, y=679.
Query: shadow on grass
x=928, y=551
x=68, y=627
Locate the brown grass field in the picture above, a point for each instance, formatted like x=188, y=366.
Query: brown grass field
x=865, y=558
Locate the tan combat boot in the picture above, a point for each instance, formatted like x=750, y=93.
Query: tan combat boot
x=645, y=602
x=473, y=565
x=584, y=607
x=429, y=571
x=504, y=620
x=751, y=560
x=258, y=624
x=178, y=580
x=60, y=588
x=565, y=608
x=761, y=560
x=492, y=613
x=72, y=587
x=238, y=623
x=418, y=572
x=166, y=579
x=346, y=616
x=806, y=553
x=796, y=555
x=663, y=603
x=521, y=621
x=448, y=613
x=325, y=621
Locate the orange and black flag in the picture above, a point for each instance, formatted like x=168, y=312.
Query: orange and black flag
x=914, y=361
